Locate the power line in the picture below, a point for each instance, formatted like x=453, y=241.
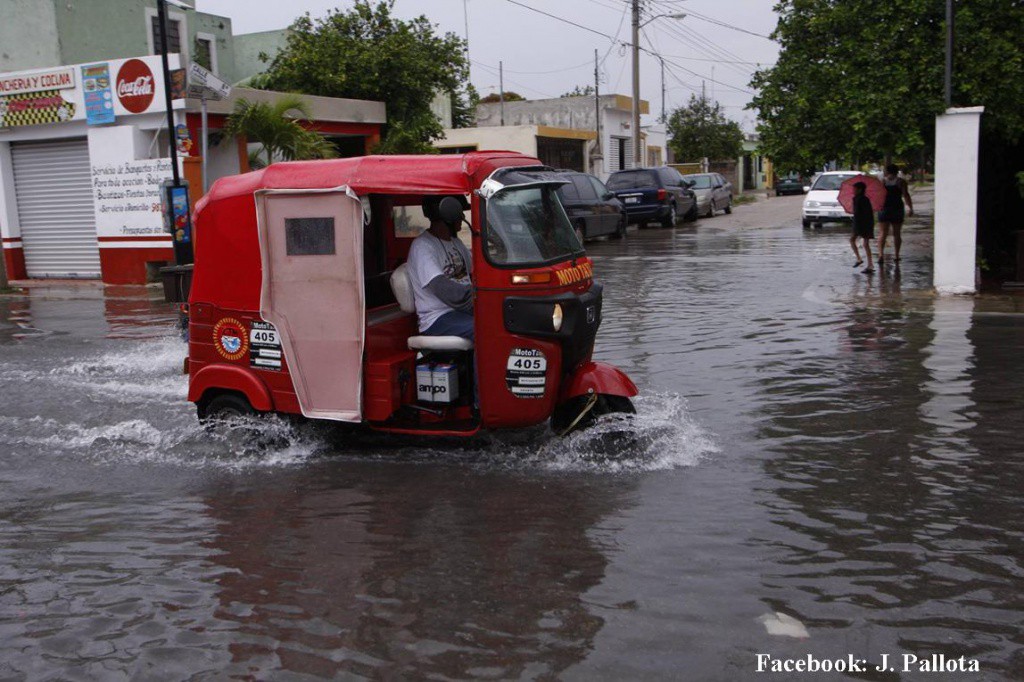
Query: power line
x=562, y=19
x=687, y=35
x=495, y=72
x=613, y=38
x=726, y=25
x=589, y=62
x=677, y=4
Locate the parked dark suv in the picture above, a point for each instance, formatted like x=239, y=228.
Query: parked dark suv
x=654, y=194
x=592, y=209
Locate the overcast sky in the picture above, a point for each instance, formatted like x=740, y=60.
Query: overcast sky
x=545, y=57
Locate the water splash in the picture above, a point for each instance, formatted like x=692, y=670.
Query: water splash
x=160, y=427
x=661, y=435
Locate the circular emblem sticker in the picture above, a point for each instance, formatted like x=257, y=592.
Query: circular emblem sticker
x=135, y=86
x=230, y=339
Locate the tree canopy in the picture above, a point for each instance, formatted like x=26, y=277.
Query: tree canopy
x=366, y=53
x=580, y=91
x=701, y=129
x=508, y=95
x=861, y=79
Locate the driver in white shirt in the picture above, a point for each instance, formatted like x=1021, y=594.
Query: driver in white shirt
x=439, y=268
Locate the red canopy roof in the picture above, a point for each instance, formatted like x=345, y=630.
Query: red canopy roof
x=423, y=174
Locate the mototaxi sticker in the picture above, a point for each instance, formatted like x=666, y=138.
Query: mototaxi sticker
x=230, y=338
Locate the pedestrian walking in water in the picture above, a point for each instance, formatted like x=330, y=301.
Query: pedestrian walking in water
x=863, y=225
x=890, y=218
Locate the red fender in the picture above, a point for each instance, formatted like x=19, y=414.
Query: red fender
x=232, y=378
x=598, y=377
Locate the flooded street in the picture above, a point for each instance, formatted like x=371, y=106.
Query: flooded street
x=839, y=448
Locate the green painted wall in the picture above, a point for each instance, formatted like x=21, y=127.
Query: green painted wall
x=45, y=33
x=247, y=50
x=28, y=35
x=94, y=30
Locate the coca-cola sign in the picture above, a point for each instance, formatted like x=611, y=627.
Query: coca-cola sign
x=135, y=86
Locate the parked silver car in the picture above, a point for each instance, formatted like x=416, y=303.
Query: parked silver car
x=714, y=193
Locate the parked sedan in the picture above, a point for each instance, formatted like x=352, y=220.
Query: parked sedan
x=591, y=207
x=650, y=194
x=790, y=183
x=713, y=192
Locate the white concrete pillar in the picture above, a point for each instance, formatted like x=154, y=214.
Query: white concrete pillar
x=956, y=199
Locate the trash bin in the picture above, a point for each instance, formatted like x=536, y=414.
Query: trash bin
x=177, y=280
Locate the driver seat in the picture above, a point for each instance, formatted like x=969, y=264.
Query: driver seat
x=402, y=287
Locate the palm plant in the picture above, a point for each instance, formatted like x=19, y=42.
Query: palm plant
x=276, y=128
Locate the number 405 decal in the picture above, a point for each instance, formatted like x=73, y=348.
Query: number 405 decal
x=526, y=373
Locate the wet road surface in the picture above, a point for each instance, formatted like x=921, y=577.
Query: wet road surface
x=840, y=449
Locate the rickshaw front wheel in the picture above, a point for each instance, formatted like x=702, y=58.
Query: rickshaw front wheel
x=581, y=412
x=224, y=407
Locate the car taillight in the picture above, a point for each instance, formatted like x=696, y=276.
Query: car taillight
x=662, y=194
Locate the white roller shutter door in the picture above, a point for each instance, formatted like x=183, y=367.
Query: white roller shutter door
x=53, y=186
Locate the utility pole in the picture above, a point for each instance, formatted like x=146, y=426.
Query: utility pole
x=597, y=157
x=662, y=88
x=636, y=84
x=161, y=10
x=949, y=53
x=501, y=89
x=175, y=196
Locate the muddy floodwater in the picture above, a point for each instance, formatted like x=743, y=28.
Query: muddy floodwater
x=825, y=463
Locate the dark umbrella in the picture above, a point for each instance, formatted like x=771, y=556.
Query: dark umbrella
x=873, y=188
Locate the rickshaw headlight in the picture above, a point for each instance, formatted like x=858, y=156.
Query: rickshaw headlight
x=556, y=317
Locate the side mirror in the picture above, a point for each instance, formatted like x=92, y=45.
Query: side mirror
x=450, y=211
x=807, y=188
x=608, y=195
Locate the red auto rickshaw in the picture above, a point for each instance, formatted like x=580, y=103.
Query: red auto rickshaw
x=299, y=303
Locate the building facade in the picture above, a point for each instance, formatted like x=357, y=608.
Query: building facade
x=562, y=132
x=83, y=132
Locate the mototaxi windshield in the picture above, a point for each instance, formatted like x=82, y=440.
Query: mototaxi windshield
x=527, y=226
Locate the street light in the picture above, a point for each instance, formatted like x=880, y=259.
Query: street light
x=637, y=25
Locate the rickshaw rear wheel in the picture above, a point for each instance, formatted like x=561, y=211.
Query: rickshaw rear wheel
x=224, y=407
x=577, y=414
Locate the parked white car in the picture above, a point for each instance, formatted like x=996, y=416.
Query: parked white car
x=821, y=205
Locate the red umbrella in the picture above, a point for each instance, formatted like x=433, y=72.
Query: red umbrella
x=873, y=188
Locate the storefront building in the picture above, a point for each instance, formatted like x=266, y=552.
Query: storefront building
x=84, y=148
x=80, y=168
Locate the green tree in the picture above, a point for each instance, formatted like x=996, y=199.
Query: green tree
x=464, y=107
x=278, y=132
x=860, y=79
x=701, y=129
x=366, y=53
x=578, y=91
x=496, y=97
